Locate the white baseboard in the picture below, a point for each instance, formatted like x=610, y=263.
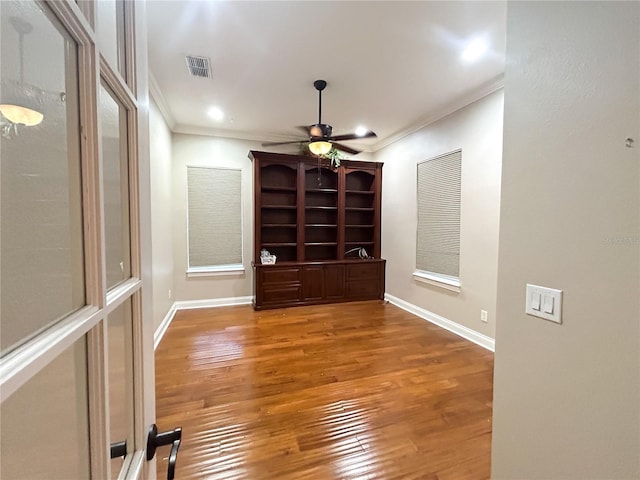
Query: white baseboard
x=187, y=304
x=460, y=330
x=162, y=328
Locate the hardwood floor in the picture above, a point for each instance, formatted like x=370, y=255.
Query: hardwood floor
x=358, y=390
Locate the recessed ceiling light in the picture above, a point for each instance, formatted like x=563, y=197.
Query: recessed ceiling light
x=361, y=131
x=474, y=50
x=215, y=113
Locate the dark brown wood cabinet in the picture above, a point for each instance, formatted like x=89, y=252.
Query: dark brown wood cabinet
x=318, y=221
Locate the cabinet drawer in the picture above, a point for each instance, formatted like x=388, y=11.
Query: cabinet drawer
x=284, y=294
x=365, y=270
x=363, y=288
x=280, y=275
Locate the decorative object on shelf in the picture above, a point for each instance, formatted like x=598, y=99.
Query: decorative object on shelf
x=266, y=258
x=320, y=139
x=362, y=253
x=334, y=156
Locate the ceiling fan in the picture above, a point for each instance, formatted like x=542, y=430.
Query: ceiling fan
x=319, y=135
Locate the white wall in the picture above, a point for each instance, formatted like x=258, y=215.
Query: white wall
x=196, y=150
x=477, y=129
x=161, y=219
x=567, y=397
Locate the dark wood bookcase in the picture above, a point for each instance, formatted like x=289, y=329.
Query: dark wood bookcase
x=316, y=219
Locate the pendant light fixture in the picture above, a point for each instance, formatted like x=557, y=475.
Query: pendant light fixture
x=17, y=110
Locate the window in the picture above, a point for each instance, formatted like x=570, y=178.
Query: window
x=438, y=236
x=214, y=218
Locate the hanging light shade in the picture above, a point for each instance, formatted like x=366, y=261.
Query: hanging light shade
x=14, y=109
x=21, y=115
x=320, y=147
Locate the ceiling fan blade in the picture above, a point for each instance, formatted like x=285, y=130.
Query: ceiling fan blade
x=353, y=136
x=344, y=148
x=273, y=144
x=304, y=128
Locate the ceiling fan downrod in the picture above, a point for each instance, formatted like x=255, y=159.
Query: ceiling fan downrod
x=320, y=86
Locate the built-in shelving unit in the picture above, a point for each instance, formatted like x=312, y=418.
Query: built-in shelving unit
x=316, y=220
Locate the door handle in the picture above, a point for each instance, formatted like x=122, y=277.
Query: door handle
x=171, y=437
x=118, y=449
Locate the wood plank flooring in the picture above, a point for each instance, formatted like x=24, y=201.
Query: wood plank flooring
x=358, y=390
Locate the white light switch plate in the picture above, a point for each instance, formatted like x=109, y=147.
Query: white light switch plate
x=543, y=302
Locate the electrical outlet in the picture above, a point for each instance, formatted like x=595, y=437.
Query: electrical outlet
x=483, y=316
x=169, y=294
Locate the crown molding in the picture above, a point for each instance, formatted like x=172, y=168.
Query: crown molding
x=236, y=135
x=161, y=102
x=485, y=89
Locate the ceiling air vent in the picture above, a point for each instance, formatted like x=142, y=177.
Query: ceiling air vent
x=198, y=66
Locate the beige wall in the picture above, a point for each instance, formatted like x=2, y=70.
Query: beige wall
x=477, y=129
x=196, y=150
x=161, y=219
x=567, y=397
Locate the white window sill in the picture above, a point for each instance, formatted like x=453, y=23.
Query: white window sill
x=438, y=280
x=216, y=271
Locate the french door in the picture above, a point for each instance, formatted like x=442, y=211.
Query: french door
x=76, y=340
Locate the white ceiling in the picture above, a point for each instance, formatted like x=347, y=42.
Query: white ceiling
x=391, y=66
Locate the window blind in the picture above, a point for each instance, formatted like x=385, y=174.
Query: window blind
x=438, y=242
x=214, y=217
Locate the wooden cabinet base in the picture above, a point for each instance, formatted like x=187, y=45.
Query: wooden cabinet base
x=310, y=283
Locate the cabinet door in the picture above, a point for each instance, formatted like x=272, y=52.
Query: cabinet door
x=313, y=282
x=334, y=282
x=364, y=280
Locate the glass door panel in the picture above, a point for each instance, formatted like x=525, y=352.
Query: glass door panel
x=41, y=195
x=45, y=428
x=120, y=376
x=110, y=29
x=115, y=172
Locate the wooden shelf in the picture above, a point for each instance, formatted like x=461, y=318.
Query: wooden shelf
x=308, y=214
x=322, y=190
x=278, y=189
x=359, y=192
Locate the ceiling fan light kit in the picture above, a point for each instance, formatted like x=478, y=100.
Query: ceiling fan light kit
x=320, y=147
x=320, y=138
